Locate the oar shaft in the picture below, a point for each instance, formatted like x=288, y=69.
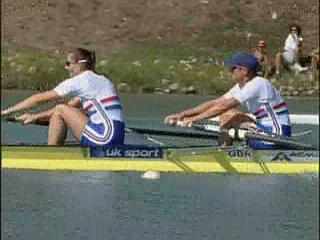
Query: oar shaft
x=150, y=131
x=301, y=119
x=40, y=122
x=245, y=134
x=209, y=132
x=279, y=140
x=174, y=133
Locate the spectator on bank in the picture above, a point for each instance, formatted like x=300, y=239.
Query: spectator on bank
x=260, y=53
x=315, y=58
x=290, y=56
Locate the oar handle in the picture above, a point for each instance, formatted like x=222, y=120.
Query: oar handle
x=40, y=122
x=240, y=134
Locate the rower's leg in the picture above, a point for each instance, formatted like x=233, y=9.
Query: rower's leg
x=65, y=116
x=233, y=118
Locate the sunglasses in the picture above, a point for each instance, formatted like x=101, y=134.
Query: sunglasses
x=239, y=68
x=68, y=63
x=78, y=61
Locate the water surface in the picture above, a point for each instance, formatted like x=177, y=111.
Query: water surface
x=121, y=205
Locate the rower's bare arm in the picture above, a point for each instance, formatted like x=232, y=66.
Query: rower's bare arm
x=173, y=118
x=31, y=101
x=28, y=118
x=216, y=109
x=44, y=116
x=75, y=102
x=200, y=108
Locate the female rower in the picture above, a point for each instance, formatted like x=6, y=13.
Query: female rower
x=93, y=114
x=255, y=92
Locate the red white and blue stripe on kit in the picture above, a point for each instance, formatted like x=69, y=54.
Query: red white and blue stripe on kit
x=268, y=118
x=278, y=108
x=101, y=129
x=272, y=111
x=108, y=103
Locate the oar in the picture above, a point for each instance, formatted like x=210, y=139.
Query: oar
x=208, y=131
x=40, y=122
x=173, y=132
x=312, y=119
x=245, y=134
x=168, y=131
x=301, y=134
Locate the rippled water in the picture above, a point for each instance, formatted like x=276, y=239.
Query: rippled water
x=122, y=205
x=109, y=205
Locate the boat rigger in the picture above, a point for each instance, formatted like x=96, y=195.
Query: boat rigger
x=189, y=160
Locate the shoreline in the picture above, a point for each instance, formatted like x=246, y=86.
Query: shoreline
x=147, y=69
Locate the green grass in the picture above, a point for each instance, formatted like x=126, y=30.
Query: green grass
x=140, y=67
x=34, y=70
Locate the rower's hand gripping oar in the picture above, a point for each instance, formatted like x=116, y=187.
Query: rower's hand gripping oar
x=250, y=133
x=237, y=134
x=15, y=119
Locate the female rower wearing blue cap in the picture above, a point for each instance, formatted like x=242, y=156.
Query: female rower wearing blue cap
x=256, y=93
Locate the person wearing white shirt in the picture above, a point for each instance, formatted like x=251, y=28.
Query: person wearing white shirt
x=93, y=111
x=256, y=93
x=291, y=51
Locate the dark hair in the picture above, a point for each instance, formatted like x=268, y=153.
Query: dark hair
x=89, y=57
x=297, y=26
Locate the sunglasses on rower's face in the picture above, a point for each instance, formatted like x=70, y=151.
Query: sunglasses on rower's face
x=79, y=61
x=240, y=68
x=68, y=63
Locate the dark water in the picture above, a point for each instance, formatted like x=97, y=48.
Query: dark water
x=109, y=205
x=122, y=205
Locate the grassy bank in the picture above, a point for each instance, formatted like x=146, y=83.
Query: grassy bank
x=142, y=69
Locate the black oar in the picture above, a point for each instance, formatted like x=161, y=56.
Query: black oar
x=168, y=131
x=246, y=134
x=279, y=140
x=173, y=132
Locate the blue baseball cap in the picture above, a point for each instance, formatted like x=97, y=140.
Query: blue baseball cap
x=244, y=59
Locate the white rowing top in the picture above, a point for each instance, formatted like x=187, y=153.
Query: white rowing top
x=254, y=93
x=92, y=88
x=87, y=85
x=263, y=100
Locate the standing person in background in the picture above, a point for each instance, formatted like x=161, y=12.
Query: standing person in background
x=292, y=51
x=93, y=114
x=255, y=92
x=260, y=53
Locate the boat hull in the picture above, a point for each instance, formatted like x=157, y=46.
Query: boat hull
x=195, y=160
